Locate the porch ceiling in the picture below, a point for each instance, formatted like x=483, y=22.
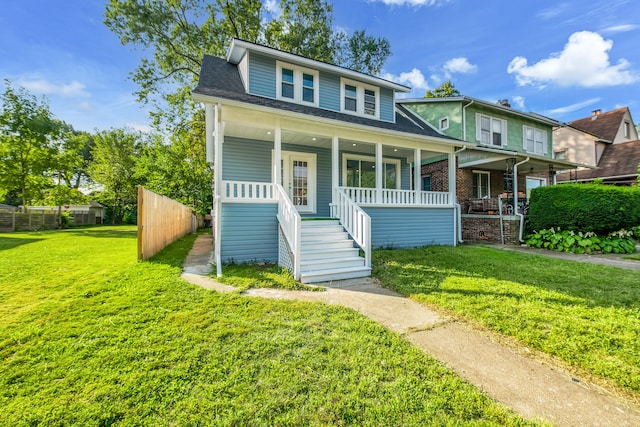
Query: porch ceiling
x=500, y=163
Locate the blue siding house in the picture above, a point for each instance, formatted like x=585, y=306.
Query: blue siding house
x=314, y=165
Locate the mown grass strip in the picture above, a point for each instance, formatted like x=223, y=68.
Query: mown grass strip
x=587, y=315
x=90, y=336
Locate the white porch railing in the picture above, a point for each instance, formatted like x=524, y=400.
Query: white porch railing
x=373, y=196
x=248, y=191
x=354, y=220
x=291, y=225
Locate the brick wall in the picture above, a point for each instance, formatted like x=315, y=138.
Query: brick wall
x=485, y=228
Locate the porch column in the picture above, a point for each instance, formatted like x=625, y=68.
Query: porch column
x=379, y=176
x=335, y=165
x=417, y=173
x=210, y=124
x=452, y=176
x=277, y=155
x=217, y=148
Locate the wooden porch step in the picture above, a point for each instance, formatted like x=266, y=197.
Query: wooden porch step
x=330, y=263
x=335, y=274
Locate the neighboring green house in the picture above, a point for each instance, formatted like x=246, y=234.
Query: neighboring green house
x=508, y=149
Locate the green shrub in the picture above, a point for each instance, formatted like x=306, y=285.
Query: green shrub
x=618, y=242
x=601, y=209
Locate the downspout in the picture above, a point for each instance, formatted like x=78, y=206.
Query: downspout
x=464, y=121
x=455, y=199
x=515, y=198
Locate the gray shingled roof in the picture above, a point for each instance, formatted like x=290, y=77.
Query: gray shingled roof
x=220, y=79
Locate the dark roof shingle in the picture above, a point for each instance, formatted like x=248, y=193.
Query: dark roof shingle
x=603, y=125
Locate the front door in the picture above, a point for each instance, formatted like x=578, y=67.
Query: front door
x=299, y=179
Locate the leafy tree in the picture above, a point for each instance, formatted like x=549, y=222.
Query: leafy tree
x=177, y=169
x=177, y=34
x=114, y=167
x=444, y=90
x=27, y=129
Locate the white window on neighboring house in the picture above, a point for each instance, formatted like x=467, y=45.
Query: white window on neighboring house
x=560, y=155
x=297, y=84
x=358, y=98
x=444, y=123
x=481, y=184
x=626, y=129
x=534, y=140
x=491, y=131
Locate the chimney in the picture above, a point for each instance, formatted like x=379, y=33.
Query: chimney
x=596, y=113
x=504, y=103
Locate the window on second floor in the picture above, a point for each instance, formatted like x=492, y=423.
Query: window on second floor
x=534, y=140
x=491, y=131
x=360, y=99
x=444, y=123
x=297, y=84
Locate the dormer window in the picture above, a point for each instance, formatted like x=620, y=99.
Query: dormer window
x=358, y=98
x=297, y=84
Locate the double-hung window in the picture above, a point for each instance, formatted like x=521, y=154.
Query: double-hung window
x=491, y=131
x=358, y=98
x=535, y=140
x=297, y=84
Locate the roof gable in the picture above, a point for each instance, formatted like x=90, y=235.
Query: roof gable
x=618, y=160
x=603, y=125
x=220, y=79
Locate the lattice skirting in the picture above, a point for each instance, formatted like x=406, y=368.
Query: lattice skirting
x=284, y=260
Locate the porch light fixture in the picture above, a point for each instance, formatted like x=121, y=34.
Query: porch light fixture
x=269, y=133
x=395, y=149
x=313, y=139
x=354, y=144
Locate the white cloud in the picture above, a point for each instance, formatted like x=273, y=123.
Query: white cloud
x=573, y=107
x=44, y=87
x=552, y=12
x=273, y=7
x=518, y=101
x=583, y=62
x=139, y=127
x=414, y=79
x=416, y=3
x=620, y=28
x=459, y=65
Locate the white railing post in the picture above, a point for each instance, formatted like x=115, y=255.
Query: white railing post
x=291, y=224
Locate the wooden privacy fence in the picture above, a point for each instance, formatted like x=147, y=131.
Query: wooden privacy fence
x=31, y=221
x=161, y=221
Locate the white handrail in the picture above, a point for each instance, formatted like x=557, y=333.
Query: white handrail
x=248, y=191
x=392, y=197
x=355, y=221
x=291, y=224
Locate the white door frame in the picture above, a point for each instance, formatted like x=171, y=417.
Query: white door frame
x=287, y=176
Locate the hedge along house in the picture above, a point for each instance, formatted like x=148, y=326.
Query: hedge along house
x=511, y=153
x=313, y=165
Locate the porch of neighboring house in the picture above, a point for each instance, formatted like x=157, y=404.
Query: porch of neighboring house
x=318, y=198
x=490, y=211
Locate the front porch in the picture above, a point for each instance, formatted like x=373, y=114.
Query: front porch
x=272, y=172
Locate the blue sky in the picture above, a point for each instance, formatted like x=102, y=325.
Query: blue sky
x=560, y=59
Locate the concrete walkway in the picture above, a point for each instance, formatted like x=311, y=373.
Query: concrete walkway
x=509, y=375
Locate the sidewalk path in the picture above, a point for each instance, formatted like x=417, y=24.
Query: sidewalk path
x=531, y=388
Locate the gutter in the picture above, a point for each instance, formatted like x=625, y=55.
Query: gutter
x=515, y=198
x=455, y=200
x=464, y=120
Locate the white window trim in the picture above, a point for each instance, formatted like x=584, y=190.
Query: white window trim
x=297, y=83
x=386, y=160
x=544, y=140
x=504, y=132
x=627, y=129
x=542, y=181
x=488, y=174
x=360, y=87
x=443, y=119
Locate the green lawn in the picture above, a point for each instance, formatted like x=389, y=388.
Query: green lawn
x=587, y=315
x=91, y=337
